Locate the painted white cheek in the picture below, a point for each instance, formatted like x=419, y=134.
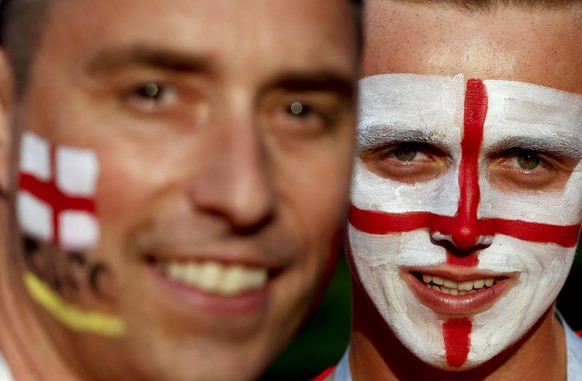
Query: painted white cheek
x=542, y=270
x=378, y=260
x=372, y=192
x=535, y=206
x=542, y=267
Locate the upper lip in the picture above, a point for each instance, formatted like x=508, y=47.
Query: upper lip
x=464, y=304
x=240, y=256
x=458, y=274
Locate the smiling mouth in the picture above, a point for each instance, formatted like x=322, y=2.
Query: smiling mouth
x=215, y=278
x=451, y=287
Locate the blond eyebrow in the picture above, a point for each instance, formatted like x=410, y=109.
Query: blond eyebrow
x=379, y=135
x=568, y=146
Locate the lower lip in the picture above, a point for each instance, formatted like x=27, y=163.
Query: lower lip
x=236, y=305
x=469, y=304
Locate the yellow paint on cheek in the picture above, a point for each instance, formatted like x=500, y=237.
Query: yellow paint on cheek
x=71, y=316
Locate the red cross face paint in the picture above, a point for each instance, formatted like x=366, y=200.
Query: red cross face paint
x=466, y=209
x=55, y=201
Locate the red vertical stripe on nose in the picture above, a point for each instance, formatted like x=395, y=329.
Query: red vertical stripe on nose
x=464, y=229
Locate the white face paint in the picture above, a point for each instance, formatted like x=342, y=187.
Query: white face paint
x=480, y=219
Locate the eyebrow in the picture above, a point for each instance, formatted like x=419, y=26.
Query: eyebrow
x=325, y=80
x=375, y=136
x=115, y=59
x=317, y=80
x=569, y=146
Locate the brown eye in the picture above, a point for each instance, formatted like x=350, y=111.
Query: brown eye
x=405, y=153
x=528, y=161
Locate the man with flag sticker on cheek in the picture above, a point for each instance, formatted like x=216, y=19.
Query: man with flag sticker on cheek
x=467, y=192
x=161, y=166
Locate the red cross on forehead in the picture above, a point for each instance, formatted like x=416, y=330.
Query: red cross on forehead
x=465, y=229
x=49, y=193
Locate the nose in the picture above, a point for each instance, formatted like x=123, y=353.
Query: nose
x=236, y=182
x=465, y=230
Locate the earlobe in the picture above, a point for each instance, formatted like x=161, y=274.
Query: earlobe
x=6, y=99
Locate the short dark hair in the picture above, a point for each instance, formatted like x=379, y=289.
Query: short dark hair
x=21, y=23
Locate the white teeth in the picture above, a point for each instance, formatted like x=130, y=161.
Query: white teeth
x=215, y=278
x=438, y=280
x=210, y=276
x=466, y=286
x=449, y=286
x=479, y=283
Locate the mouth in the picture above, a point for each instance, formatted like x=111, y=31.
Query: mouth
x=451, y=287
x=466, y=295
x=214, y=278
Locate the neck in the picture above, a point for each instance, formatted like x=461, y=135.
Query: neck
x=377, y=354
x=23, y=343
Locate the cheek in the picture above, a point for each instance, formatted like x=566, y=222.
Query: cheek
x=134, y=181
x=535, y=206
x=314, y=189
x=372, y=192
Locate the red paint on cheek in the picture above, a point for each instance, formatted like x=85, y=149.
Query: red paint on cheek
x=456, y=334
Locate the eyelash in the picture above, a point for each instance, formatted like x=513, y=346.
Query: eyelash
x=393, y=150
x=541, y=159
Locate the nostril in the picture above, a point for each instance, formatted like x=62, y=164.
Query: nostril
x=465, y=238
x=463, y=233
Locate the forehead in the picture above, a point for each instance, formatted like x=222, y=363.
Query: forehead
x=254, y=33
x=434, y=109
x=538, y=46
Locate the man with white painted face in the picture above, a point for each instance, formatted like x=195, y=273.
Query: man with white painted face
x=467, y=193
x=162, y=169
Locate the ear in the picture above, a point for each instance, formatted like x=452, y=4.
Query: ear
x=6, y=102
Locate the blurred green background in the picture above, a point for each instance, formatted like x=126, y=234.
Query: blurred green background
x=324, y=337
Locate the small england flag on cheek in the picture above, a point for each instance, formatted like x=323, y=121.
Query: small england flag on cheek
x=55, y=200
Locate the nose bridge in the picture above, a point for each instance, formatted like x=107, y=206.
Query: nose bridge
x=465, y=229
x=235, y=181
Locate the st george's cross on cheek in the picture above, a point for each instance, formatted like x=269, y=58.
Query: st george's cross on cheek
x=459, y=248
x=55, y=197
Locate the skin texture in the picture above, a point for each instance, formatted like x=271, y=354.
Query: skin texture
x=505, y=44
x=214, y=168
